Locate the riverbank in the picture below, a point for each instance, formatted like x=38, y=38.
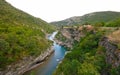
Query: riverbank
x=41, y=59
x=27, y=63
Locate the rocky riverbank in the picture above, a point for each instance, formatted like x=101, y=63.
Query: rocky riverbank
x=27, y=63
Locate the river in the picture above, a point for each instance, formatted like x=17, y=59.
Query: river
x=49, y=66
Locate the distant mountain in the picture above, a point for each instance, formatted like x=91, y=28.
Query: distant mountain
x=21, y=35
x=90, y=18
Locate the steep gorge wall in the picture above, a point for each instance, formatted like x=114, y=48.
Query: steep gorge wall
x=67, y=37
x=112, y=52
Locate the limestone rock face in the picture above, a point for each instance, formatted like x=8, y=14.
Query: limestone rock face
x=70, y=35
x=112, y=52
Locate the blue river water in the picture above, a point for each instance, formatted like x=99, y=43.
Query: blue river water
x=49, y=66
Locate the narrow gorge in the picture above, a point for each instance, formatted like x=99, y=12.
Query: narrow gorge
x=80, y=45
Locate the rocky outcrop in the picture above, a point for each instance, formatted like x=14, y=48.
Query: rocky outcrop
x=112, y=52
x=26, y=64
x=68, y=36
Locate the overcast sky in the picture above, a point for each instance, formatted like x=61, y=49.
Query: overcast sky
x=54, y=10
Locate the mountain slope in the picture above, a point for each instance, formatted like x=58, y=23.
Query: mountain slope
x=90, y=18
x=21, y=35
x=18, y=17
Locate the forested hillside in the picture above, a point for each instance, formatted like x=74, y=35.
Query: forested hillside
x=21, y=35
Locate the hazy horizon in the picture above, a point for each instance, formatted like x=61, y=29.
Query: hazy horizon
x=56, y=10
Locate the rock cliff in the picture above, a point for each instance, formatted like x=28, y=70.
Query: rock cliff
x=67, y=36
x=112, y=52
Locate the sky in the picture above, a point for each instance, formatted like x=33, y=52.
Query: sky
x=55, y=10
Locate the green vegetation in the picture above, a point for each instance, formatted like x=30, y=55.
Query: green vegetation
x=12, y=16
x=100, y=17
x=86, y=58
x=114, y=23
x=91, y=18
x=21, y=35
